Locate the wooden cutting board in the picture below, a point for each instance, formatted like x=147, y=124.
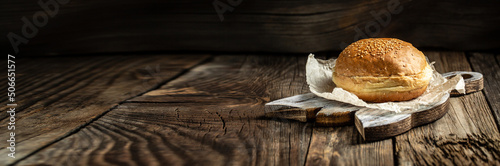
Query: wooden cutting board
x=372, y=124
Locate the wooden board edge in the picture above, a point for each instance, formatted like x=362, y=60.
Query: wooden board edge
x=384, y=131
x=430, y=115
x=416, y=119
x=335, y=119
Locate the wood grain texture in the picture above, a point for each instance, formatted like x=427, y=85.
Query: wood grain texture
x=264, y=25
x=466, y=135
x=58, y=95
x=170, y=134
x=212, y=115
x=345, y=146
x=489, y=65
x=236, y=77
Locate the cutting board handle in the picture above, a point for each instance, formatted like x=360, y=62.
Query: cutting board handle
x=473, y=81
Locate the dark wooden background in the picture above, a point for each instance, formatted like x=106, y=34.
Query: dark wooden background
x=298, y=26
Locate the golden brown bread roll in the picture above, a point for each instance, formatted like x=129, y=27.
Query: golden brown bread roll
x=382, y=70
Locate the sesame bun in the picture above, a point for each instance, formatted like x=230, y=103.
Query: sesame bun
x=382, y=70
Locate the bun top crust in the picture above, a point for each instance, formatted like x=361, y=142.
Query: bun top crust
x=380, y=57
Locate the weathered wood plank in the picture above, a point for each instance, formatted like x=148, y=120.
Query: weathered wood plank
x=262, y=25
x=212, y=115
x=58, y=95
x=171, y=134
x=490, y=67
x=467, y=134
x=247, y=77
x=345, y=146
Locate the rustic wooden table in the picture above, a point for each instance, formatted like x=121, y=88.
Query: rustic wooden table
x=208, y=110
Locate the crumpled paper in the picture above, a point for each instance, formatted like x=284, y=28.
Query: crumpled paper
x=319, y=79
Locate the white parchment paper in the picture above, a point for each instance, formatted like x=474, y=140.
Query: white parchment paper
x=319, y=78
